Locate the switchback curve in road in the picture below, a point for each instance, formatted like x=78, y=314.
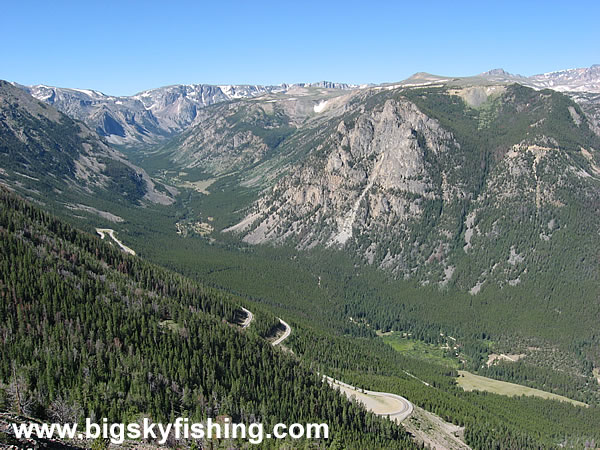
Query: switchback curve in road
x=284, y=336
x=111, y=233
x=249, y=318
x=396, y=407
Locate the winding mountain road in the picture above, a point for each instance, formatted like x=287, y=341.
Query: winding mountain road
x=249, y=318
x=103, y=231
x=394, y=406
x=284, y=336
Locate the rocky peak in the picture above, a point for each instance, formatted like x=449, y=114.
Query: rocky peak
x=150, y=116
x=370, y=171
x=496, y=72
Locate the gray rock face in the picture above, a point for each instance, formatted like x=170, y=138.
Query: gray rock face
x=238, y=136
x=367, y=175
x=150, y=116
x=47, y=148
x=437, y=196
x=120, y=120
x=226, y=138
x=590, y=103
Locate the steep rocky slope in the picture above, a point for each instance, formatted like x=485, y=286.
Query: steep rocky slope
x=590, y=104
x=153, y=115
x=239, y=136
x=45, y=153
x=433, y=184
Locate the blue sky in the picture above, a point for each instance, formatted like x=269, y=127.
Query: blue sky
x=124, y=47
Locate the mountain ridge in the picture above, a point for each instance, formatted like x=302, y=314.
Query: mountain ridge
x=585, y=79
x=45, y=152
x=152, y=116
x=407, y=184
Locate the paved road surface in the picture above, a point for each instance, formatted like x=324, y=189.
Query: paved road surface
x=249, y=318
x=284, y=336
x=111, y=233
x=394, y=406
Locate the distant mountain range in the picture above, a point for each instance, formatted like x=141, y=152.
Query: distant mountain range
x=412, y=176
x=570, y=80
x=150, y=116
x=44, y=152
x=474, y=184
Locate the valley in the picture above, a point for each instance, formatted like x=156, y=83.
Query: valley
x=432, y=243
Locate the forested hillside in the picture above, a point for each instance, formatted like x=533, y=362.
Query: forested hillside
x=89, y=331
x=46, y=155
x=431, y=185
x=480, y=204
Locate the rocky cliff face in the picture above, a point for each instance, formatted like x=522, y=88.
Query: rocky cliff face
x=44, y=152
x=151, y=116
x=230, y=137
x=253, y=137
x=429, y=183
x=120, y=120
x=375, y=173
x=590, y=104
